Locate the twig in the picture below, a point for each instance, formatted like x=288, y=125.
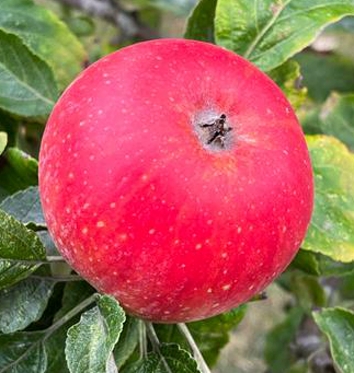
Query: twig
x=156, y=344
x=128, y=23
x=48, y=260
x=142, y=339
x=196, y=352
x=53, y=258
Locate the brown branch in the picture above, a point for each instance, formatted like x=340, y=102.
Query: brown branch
x=127, y=22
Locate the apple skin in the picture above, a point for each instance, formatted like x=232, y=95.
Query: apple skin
x=145, y=210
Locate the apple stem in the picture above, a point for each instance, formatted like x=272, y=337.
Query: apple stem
x=196, y=352
x=154, y=339
x=142, y=339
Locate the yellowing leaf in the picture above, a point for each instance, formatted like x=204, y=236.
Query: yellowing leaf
x=332, y=226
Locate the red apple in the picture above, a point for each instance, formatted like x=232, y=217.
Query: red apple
x=174, y=175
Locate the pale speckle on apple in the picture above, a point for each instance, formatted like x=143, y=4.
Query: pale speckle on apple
x=226, y=287
x=100, y=224
x=123, y=237
x=210, y=290
x=198, y=246
x=84, y=230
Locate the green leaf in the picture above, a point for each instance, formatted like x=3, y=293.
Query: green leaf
x=346, y=24
x=271, y=31
x=301, y=366
x=338, y=325
x=320, y=265
x=288, y=77
x=18, y=247
x=277, y=350
x=81, y=25
x=74, y=293
x=331, y=231
x=27, y=86
x=200, y=24
x=308, y=291
x=330, y=267
x=128, y=341
x=90, y=342
x=324, y=73
x=22, y=352
x=27, y=351
x=3, y=141
x=9, y=125
x=18, y=170
x=211, y=335
x=25, y=206
x=45, y=35
x=23, y=304
x=177, y=360
x=336, y=118
x=306, y=262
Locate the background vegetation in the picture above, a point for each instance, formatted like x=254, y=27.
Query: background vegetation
x=50, y=319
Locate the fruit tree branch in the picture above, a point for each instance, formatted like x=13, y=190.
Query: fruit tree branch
x=110, y=10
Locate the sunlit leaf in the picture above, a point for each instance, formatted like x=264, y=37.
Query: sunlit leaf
x=271, y=31
x=18, y=248
x=45, y=35
x=338, y=325
x=288, y=77
x=27, y=86
x=90, y=342
x=332, y=226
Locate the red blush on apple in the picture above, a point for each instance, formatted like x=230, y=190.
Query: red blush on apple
x=174, y=175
